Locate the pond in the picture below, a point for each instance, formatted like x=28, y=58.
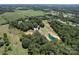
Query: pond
x=53, y=39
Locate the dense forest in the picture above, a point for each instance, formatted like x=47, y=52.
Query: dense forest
x=68, y=34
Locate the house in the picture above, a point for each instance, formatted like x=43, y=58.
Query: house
x=36, y=28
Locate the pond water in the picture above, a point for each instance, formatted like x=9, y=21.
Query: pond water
x=53, y=39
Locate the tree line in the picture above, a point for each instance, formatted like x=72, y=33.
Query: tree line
x=26, y=24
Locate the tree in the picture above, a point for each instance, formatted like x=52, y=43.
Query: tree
x=25, y=43
x=5, y=35
x=33, y=49
x=38, y=38
x=41, y=25
x=35, y=25
x=6, y=39
x=46, y=49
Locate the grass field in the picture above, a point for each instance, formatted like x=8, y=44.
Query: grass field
x=20, y=14
x=14, y=36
